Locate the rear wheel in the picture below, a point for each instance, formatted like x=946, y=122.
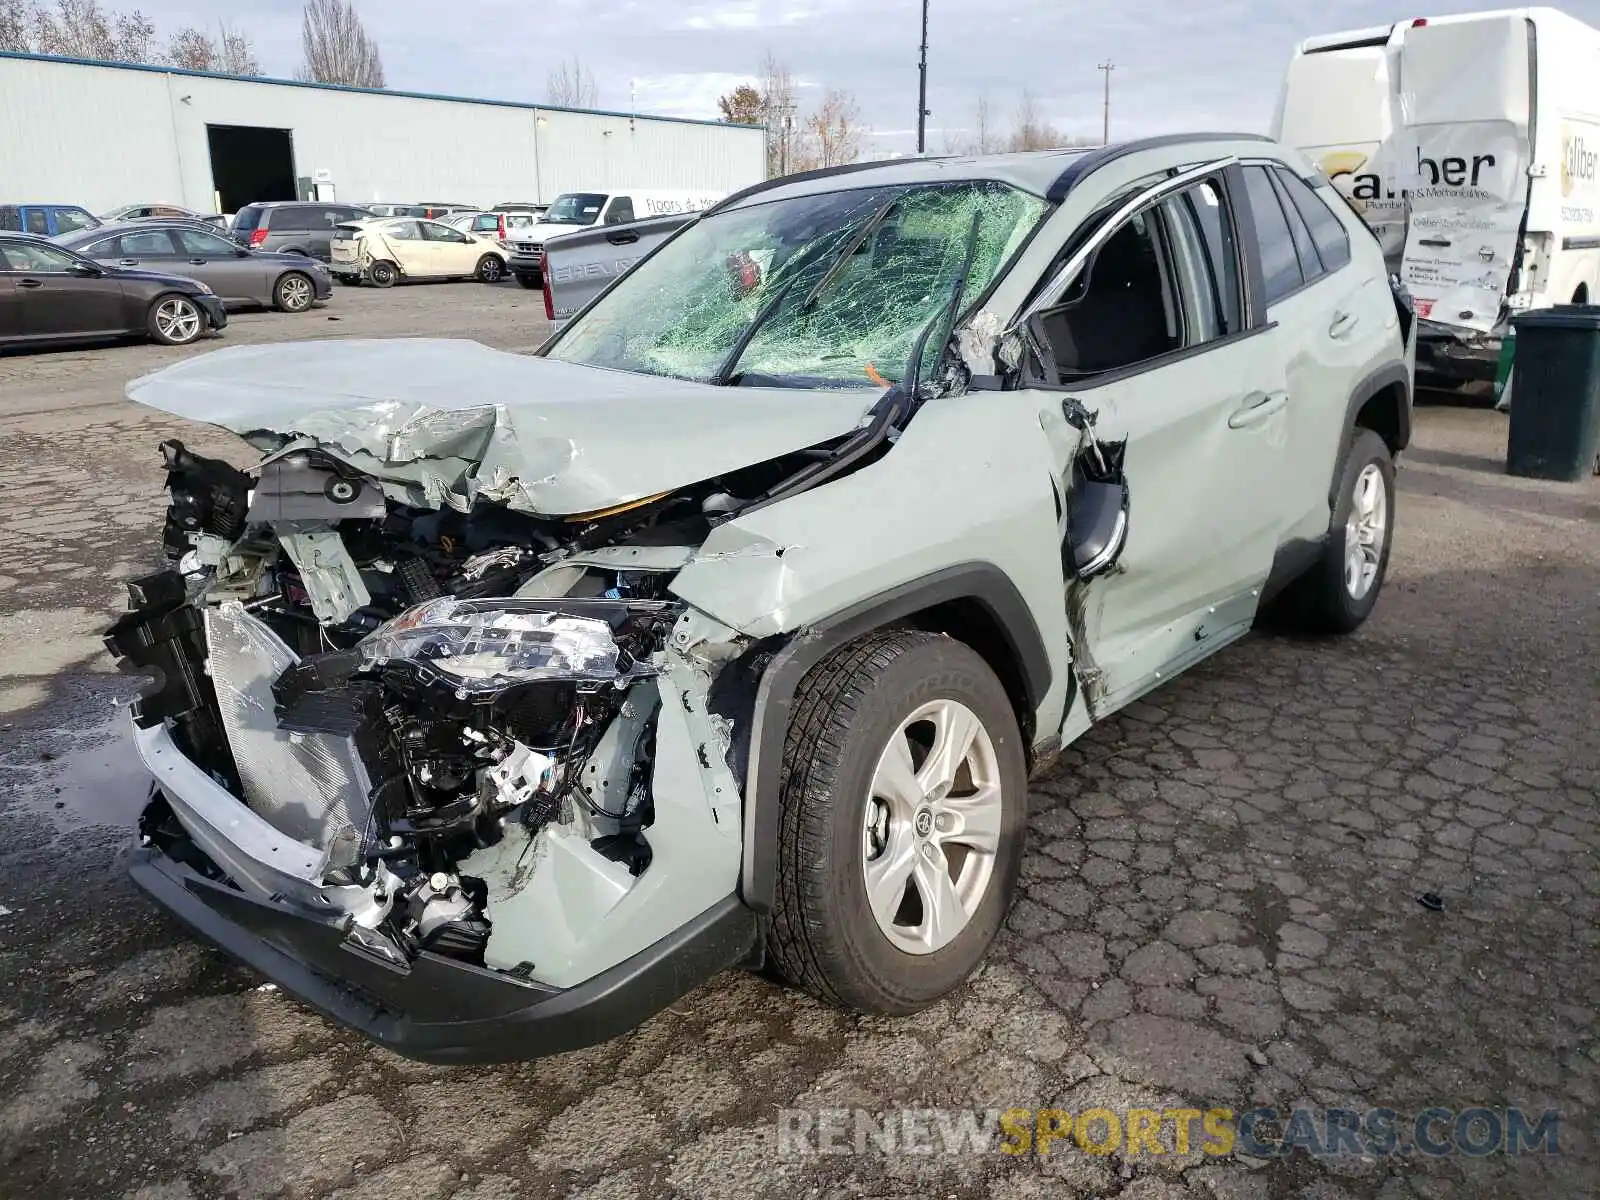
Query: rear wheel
x=903, y=809
x=1341, y=589
x=491, y=268
x=294, y=292
x=383, y=274
x=175, y=320
x=528, y=281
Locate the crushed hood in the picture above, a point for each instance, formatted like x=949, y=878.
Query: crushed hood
x=447, y=422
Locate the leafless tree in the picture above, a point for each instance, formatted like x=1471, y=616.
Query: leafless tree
x=16, y=26
x=780, y=112
x=79, y=29
x=1031, y=131
x=834, y=131
x=572, y=85
x=338, y=48
x=982, y=137
x=229, y=53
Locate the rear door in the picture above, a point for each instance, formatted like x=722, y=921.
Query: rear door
x=148, y=249
x=1467, y=85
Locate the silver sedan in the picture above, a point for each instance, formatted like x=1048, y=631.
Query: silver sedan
x=239, y=276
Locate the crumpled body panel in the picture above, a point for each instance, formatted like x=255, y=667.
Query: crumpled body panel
x=448, y=422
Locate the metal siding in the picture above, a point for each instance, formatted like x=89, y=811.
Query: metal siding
x=141, y=135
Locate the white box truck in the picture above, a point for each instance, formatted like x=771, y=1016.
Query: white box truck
x=1470, y=145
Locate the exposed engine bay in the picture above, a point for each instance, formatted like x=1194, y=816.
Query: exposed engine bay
x=452, y=708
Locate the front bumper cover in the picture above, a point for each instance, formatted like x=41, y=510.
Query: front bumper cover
x=440, y=1010
x=216, y=314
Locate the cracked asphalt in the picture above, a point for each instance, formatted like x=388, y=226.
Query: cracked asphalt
x=1220, y=905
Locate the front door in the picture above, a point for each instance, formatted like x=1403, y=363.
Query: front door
x=1156, y=335
x=450, y=251
x=239, y=278
x=58, y=297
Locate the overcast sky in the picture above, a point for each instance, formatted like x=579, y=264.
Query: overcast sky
x=1180, y=64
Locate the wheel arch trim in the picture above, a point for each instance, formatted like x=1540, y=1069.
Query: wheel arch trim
x=1392, y=375
x=981, y=583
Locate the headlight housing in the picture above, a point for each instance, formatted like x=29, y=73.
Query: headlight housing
x=478, y=646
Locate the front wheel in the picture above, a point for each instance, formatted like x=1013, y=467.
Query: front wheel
x=383, y=274
x=491, y=268
x=1341, y=589
x=901, y=832
x=175, y=320
x=294, y=293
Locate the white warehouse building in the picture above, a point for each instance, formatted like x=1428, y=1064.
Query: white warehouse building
x=103, y=134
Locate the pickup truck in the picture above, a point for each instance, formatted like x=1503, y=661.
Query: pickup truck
x=579, y=266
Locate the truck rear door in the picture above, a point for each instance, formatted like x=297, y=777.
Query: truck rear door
x=1466, y=87
x=579, y=266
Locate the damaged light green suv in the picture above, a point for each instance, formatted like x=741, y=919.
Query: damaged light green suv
x=506, y=699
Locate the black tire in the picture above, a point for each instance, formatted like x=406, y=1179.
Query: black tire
x=186, y=323
x=1320, y=601
x=528, y=281
x=383, y=273
x=294, y=292
x=823, y=936
x=491, y=269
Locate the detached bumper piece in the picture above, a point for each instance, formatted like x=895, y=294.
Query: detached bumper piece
x=215, y=313
x=432, y=1009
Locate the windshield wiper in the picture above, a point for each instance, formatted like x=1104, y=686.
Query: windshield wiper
x=724, y=373
x=843, y=258
x=911, y=377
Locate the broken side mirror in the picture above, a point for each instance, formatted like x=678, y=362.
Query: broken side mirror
x=1097, y=499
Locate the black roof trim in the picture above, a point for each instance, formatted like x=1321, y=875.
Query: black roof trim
x=800, y=177
x=1085, y=165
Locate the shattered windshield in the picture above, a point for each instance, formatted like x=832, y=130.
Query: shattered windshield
x=835, y=288
x=575, y=208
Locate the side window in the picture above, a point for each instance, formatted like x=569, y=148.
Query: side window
x=153, y=243
x=621, y=210
x=433, y=231
x=68, y=220
x=1327, y=231
x=38, y=221
x=38, y=260
x=402, y=231
x=1280, y=265
x=1304, y=250
x=10, y=217
x=204, y=244
x=1167, y=279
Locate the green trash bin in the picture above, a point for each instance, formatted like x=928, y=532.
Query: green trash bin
x=1555, y=418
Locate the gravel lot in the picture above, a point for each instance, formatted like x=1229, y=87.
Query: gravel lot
x=1220, y=904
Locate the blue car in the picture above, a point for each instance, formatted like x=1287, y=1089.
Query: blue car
x=46, y=220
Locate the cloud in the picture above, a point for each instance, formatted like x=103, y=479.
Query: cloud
x=1179, y=65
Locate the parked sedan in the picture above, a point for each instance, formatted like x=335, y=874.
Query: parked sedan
x=145, y=212
x=238, y=275
x=384, y=252
x=49, y=293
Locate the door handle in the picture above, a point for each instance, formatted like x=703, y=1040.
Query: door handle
x=1257, y=407
x=199, y=262
x=622, y=239
x=1440, y=242
x=30, y=283
x=128, y=262
x=1341, y=324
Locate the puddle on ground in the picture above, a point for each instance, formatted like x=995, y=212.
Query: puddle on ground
x=89, y=775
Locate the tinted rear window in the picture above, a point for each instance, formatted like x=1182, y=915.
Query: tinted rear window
x=10, y=217
x=246, y=218
x=294, y=218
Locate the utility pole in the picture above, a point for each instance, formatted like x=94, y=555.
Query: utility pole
x=922, y=86
x=1105, y=135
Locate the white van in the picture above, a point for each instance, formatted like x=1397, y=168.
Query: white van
x=1469, y=143
x=580, y=210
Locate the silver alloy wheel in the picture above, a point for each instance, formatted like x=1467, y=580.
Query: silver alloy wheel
x=932, y=827
x=178, y=319
x=1365, y=530
x=295, y=292
x=491, y=269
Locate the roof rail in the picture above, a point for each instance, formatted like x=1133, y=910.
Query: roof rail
x=1085, y=165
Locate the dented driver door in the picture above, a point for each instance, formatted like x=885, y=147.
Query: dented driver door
x=1188, y=398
